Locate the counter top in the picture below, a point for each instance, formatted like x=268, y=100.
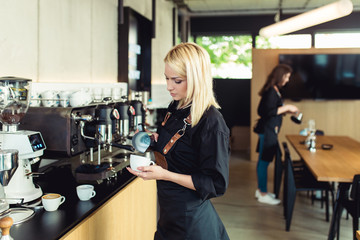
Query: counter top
x=53, y=225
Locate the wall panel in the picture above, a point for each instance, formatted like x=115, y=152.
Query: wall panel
x=104, y=47
x=18, y=38
x=65, y=41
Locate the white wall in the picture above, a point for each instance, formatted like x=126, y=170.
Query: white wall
x=72, y=40
x=19, y=38
x=59, y=41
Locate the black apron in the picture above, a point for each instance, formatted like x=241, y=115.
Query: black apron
x=183, y=214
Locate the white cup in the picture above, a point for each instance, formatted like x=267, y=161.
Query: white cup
x=116, y=94
x=97, y=94
x=80, y=98
x=139, y=161
x=49, y=98
x=85, y=192
x=35, y=100
x=64, y=98
x=106, y=92
x=52, y=201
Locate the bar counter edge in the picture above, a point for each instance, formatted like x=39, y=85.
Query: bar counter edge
x=123, y=208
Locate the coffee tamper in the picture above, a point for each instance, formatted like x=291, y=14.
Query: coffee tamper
x=5, y=225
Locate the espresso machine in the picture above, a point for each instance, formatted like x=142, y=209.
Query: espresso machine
x=87, y=137
x=102, y=134
x=14, y=102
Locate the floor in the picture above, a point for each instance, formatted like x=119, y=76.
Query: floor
x=245, y=218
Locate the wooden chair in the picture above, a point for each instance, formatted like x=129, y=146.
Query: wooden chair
x=294, y=183
x=352, y=205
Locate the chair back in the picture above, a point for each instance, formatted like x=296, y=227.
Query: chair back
x=319, y=132
x=289, y=172
x=289, y=181
x=278, y=170
x=355, y=189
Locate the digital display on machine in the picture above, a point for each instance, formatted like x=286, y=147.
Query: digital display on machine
x=36, y=142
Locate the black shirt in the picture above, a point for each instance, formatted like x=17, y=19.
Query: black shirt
x=270, y=122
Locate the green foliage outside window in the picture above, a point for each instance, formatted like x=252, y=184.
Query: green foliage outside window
x=230, y=55
x=224, y=49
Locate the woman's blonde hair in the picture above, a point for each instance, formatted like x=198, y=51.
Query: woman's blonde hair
x=192, y=62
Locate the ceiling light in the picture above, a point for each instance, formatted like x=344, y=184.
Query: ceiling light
x=319, y=15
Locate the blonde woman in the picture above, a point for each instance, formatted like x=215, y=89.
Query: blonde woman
x=194, y=140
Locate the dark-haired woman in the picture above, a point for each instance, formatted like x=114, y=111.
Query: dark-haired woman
x=271, y=110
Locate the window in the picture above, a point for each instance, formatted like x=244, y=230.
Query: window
x=230, y=55
x=285, y=41
x=337, y=40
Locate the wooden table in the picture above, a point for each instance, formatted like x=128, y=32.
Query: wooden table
x=339, y=164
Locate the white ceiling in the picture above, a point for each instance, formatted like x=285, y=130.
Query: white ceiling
x=246, y=7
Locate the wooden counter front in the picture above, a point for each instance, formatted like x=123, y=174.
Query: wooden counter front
x=131, y=214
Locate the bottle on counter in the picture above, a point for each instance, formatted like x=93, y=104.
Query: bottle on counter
x=312, y=145
x=311, y=138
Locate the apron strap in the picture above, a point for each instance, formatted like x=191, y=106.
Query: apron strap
x=177, y=135
x=168, y=114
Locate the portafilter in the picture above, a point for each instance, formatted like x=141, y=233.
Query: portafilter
x=8, y=164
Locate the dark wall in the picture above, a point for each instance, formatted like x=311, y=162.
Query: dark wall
x=233, y=96
x=236, y=25
x=135, y=22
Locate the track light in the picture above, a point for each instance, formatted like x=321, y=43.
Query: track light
x=317, y=16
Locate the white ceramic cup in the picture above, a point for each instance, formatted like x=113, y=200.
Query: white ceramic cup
x=97, y=94
x=49, y=98
x=52, y=201
x=80, y=98
x=35, y=100
x=64, y=98
x=139, y=161
x=85, y=192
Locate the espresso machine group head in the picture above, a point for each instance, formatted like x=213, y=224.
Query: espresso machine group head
x=139, y=112
x=14, y=102
x=127, y=114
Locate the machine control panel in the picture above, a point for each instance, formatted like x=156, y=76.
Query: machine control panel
x=36, y=142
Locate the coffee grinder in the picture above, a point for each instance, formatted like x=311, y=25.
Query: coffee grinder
x=14, y=102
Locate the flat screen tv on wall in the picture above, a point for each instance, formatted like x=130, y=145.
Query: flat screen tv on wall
x=322, y=76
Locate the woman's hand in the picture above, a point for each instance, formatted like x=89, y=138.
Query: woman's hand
x=292, y=108
x=288, y=108
x=154, y=136
x=156, y=172
x=153, y=172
